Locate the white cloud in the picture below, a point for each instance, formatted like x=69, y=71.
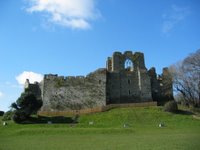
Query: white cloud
x=75, y=14
x=21, y=78
x=174, y=17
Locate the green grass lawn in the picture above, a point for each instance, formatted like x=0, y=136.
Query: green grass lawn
x=181, y=132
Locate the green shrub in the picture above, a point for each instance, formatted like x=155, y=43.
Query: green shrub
x=19, y=116
x=7, y=116
x=26, y=105
x=171, y=106
x=1, y=113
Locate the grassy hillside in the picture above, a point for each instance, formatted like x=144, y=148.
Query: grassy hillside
x=107, y=131
x=147, y=117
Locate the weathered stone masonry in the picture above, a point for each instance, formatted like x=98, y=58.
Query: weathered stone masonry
x=124, y=80
x=64, y=93
x=127, y=79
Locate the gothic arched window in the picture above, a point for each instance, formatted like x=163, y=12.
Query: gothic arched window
x=128, y=65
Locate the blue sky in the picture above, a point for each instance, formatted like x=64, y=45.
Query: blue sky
x=75, y=37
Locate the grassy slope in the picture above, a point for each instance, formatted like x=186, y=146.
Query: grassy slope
x=107, y=132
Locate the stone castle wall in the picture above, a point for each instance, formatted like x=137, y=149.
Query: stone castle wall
x=65, y=93
x=34, y=88
x=161, y=86
x=127, y=84
x=124, y=80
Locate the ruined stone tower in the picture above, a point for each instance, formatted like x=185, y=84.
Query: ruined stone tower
x=124, y=80
x=127, y=78
x=161, y=86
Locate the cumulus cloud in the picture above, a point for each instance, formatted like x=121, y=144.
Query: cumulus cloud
x=75, y=14
x=32, y=76
x=174, y=17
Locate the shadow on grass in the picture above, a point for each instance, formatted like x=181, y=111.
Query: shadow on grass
x=184, y=112
x=50, y=120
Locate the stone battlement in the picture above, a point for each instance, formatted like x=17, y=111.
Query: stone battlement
x=124, y=80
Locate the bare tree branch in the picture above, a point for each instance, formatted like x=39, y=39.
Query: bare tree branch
x=186, y=78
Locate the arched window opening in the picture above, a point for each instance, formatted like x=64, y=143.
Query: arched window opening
x=128, y=65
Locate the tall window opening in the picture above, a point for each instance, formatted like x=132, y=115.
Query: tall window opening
x=128, y=65
x=129, y=81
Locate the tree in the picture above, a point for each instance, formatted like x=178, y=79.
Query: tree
x=186, y=78
x=7, y=116
x=1, y=113
x=28, y=102
x=25, y=105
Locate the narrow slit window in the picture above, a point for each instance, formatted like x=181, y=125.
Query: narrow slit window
x=129, y=81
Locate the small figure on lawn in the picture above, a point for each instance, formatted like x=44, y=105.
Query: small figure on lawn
x=161, y=125
x=5, y=123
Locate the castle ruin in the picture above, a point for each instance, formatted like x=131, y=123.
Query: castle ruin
x=124, y=80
